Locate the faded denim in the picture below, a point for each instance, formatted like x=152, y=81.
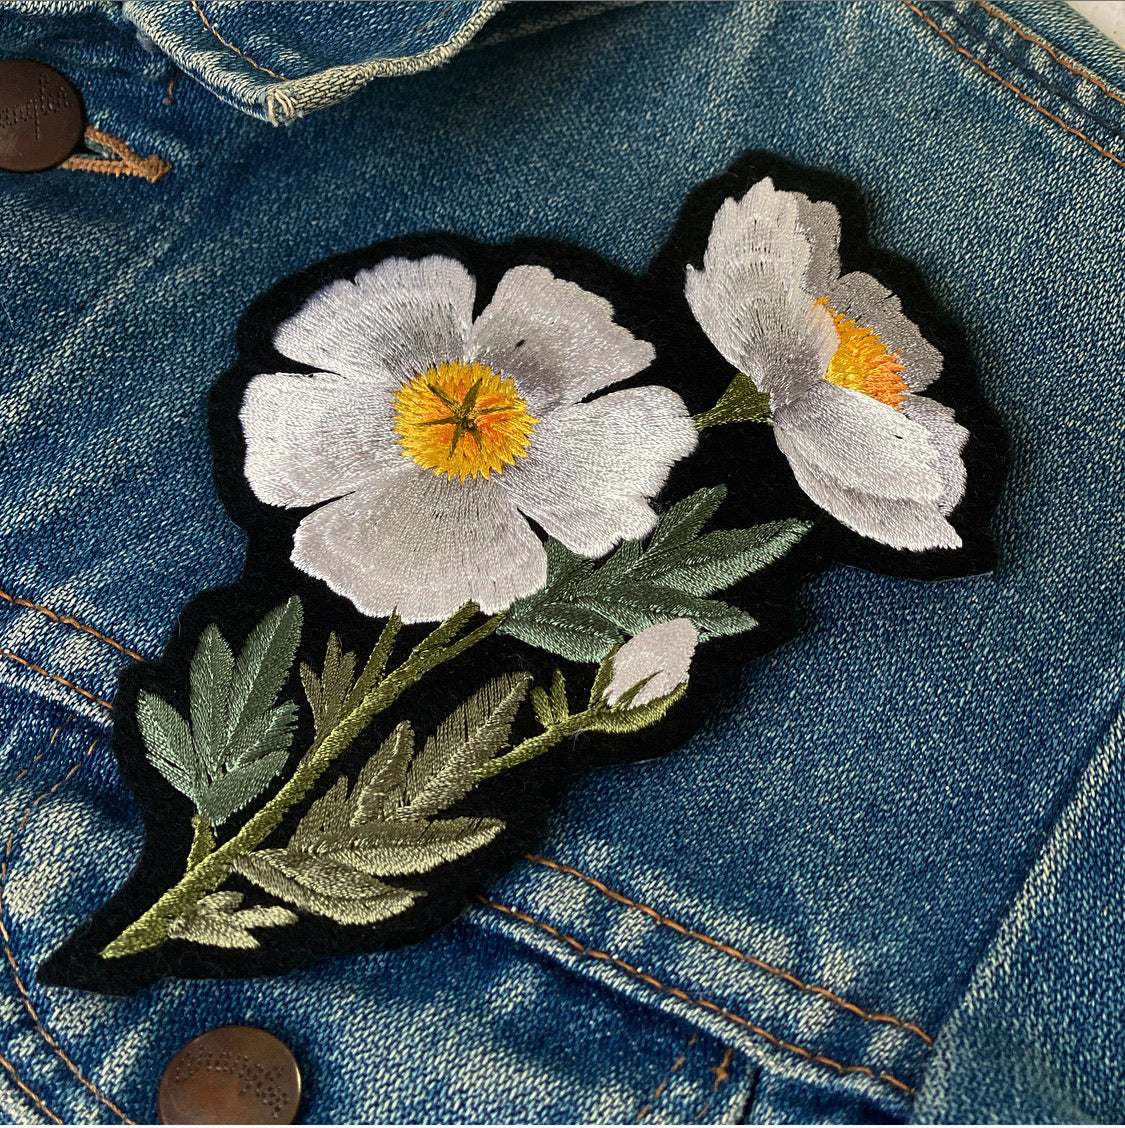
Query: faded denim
x=906, y=827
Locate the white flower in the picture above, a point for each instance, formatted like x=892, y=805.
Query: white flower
x=434, y=439
x=662, y=654
x=840, y=363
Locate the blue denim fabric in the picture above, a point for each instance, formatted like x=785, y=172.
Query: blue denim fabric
x=904, y=828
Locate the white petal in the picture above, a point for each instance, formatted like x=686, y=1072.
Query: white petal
x=393, y=321
x=872, y=305
x=424, y=544
x=593, y=467
x=913, y=525
x=860, y=443
x=947, y=438
x=662, y=654
x=751, y=297
x=310, y=438
x=557, y=341
x=820, y=222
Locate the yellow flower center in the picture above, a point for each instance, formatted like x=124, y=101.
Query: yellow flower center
x=863, y=362
x=462, y=419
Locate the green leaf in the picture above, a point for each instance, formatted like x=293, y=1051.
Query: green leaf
x=217, y=921
x=232, y=790
x=719, y=559
x=168, y=743
x=740, y=403
x=446, y=769
x=382, y=782
x=398, y=847
x=684, y=521
x=210, y=678
x=326, y=694
x=568, y=629
x=324, y=887
x=261, y=671
x=586, y=608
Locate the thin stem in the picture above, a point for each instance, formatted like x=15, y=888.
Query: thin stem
x=209, y=871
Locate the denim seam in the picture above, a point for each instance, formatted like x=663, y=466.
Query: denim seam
x=1035, y=74
x=5, y=935
x=55, y=678
x=735, y=953
x=702, y=1003
x=722, y=1074
x=1010, y=86
x=23, y=1087
x=663, y=1083
x=226, y=43
x=68, y=621
x=999, y=15
x=129, y=162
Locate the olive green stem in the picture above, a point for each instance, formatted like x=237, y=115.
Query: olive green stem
x=211, y=869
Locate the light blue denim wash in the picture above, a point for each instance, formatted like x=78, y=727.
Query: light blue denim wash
x=886, y=882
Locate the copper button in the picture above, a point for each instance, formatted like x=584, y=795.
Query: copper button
x=40, y=116
x=231, y=1075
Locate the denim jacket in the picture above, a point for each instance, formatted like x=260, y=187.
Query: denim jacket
x=884, y=882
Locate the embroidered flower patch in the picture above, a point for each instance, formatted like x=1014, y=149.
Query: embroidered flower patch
x=500, y=498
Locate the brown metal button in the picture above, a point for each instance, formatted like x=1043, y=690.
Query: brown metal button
x=40, y=116
x=231, y=1075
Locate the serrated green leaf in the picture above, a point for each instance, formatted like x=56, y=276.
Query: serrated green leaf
x=382, y=782
x=217, y=921
x=234, y=789
x=585, y=607
x=636, y=606
x=474, y=732
x=684, y=520
x=568, y=629
x=327, y=691
x=168, y=743
x=717, y=560
x=560, y=706
x=324, y=887
x=260, y=672
x=210, y=680
x=401, y=846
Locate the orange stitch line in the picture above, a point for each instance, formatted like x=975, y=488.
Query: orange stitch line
x=1015, y=89
x=706, y=1004
x=55, y=677
x=722, y=1074
x=995, y=12
x=663, y=1084
x=227, y=43
x=734, y=953
x=131, y=163
x=171, y=88
x=66, y=620
x=430, y=23
x=20, y=1084
x=5, y=936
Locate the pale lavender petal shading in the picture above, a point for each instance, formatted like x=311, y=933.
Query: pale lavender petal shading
x=311, y=438
x=422, y=544
x=594, y=467
x=556, y=341
x=394, y=321
x=947, y=438
x=869, y=303
x=859, y=442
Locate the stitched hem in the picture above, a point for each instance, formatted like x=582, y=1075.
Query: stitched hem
x=735, y=953
x=802, y=1052
x=1012, y=87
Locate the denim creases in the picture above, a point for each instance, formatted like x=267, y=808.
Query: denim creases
x=880, y=882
